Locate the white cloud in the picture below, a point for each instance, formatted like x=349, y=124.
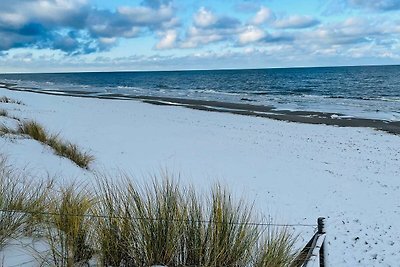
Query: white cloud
x=251, y=34
x=209, y=28
x=197, y=37
x=377, y=5
x=168, y=40
x=264, y=14
x=147, y=15
x=296, y=22
x=56, y=12
x=204, y=18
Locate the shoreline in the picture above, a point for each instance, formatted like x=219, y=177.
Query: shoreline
x=269, y=112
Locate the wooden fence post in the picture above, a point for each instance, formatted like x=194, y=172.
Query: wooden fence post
x=321, y=231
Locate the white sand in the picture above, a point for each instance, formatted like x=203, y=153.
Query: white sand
x=294, y=172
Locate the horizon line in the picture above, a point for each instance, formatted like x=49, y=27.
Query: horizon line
x=200, y=69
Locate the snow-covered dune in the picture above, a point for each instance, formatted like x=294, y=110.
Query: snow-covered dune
x=293, y=172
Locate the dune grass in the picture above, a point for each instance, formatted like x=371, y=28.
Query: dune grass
x=62, y=148
x=67, y=230
x=20, y=200
x=118, y=222
x=165, y=224
x=5, y=99
x=275, y=248
x=70, y=151
x=34, y=130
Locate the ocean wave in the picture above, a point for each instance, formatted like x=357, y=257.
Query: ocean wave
x=212, y=91
x=390, y=99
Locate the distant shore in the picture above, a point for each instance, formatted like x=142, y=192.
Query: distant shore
x=310, y=117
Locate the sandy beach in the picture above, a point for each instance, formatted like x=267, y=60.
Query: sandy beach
x=294, y=172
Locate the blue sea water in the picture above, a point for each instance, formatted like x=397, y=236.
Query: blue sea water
x=363, y=91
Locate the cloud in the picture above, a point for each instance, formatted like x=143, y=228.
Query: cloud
x=296, y=22
x=377, y=5
x=334, y=7
x=264, y=14
x=196, y=37
x=74, y=26
x=49, y=13
x=156, y=3
x=251, y=34
x=209, y=28
x=350, y=31
x=168, y=40
x=145, y=16
x=204, y=18
x=129, y=22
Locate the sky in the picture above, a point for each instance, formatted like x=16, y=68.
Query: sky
x=122, y=35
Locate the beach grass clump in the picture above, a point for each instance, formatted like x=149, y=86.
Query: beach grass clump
x=70, y=151
x=5, y=99
x=163, y=207
x=7, y=130
x=34, y=130
x=144, y=225
x=62, y=148
x=67, y=228
x=20, y=200
x=165, y=224
x=218, y=231
x=111, y=225
x=276, y=248
x=123, y=223
x=232, y=236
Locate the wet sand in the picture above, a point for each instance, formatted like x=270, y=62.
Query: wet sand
x=310, y=117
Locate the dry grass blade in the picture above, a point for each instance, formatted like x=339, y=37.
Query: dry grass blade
x=18, y=195
x=152, y=227
x=276, y=248
x=68, y=230
x=6, y=130
x=62, y=148
x=111, y=227
x=34, y=130
x=5, y=99
x=231, y=234
x=70, y=151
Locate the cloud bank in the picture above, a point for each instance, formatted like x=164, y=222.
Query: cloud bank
x=77, y=28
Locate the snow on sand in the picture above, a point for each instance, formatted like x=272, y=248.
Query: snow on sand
x=294, y=172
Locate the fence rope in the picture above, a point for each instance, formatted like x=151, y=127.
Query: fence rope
x=154, y=219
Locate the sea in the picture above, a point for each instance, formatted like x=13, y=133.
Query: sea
x=371, y=92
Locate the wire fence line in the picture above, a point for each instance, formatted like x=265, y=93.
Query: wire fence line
x=156, y=219
x=310, y=254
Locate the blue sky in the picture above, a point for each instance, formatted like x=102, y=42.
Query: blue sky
x=103, y=35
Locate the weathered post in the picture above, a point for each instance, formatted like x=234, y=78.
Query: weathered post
x=321, y=231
